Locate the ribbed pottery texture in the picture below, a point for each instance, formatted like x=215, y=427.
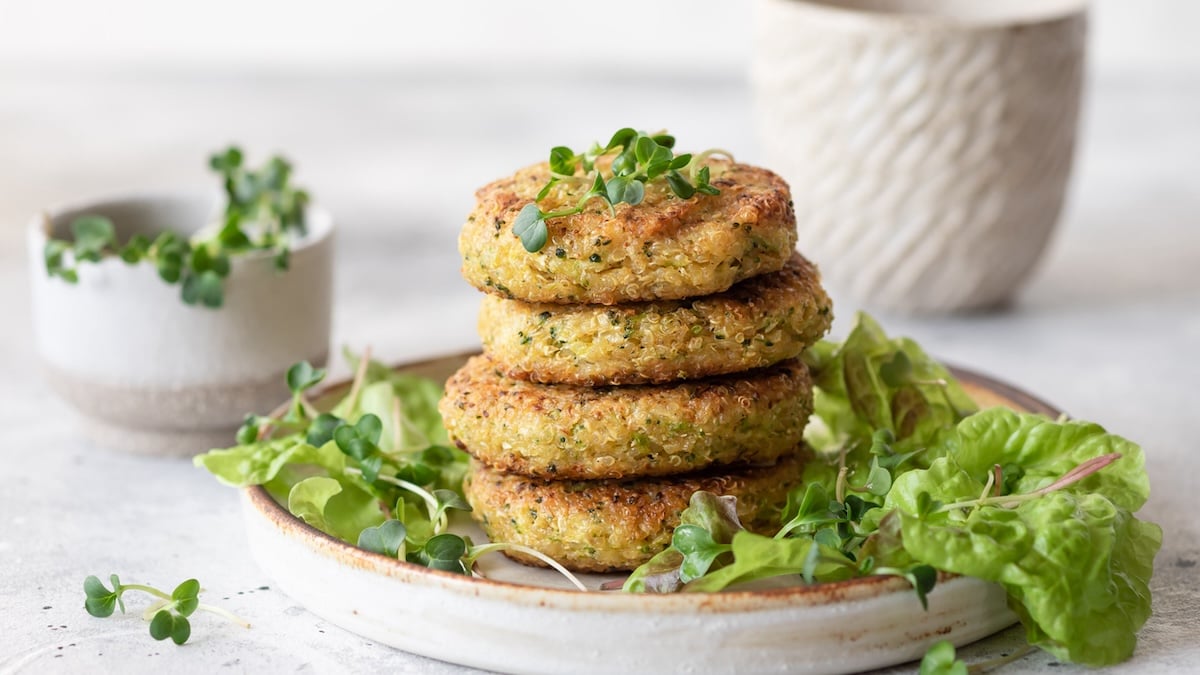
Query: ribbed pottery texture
x=928, y=155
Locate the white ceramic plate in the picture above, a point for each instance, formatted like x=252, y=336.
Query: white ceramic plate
x=525, y=620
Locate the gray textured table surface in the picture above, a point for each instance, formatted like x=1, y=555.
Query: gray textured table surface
x=1109, y=329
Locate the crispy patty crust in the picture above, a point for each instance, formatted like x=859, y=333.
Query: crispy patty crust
x=662, y=249
x=758, y=322
x=569, y=431
x=612, y=525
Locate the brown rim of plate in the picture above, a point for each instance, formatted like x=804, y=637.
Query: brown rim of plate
x=720, y=602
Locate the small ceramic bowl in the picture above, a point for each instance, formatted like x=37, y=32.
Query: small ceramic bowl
x=928, y=143
x=153, y=375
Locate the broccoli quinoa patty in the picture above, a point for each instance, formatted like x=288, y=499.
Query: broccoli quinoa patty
x=662, y=249
x=616, y=525
x=757, y=323
x=561, y=431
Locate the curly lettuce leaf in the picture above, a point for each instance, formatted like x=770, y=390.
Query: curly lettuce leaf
x=872, y=384
x=336, y=507
x=1075, y=562
x=260, y=463
x=1039, y=450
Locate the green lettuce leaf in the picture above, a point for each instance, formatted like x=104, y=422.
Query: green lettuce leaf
x=419, y=423
x=872, y=382
x=259, y=463
x=339, y=508
x=1040, y=450
x=870, y=387
x=758, y=557
x=309, y=497
x=1075, y=562
x=995, y=495
x=418, y=397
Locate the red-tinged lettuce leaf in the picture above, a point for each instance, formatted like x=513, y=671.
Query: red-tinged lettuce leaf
x=1040, y=450
x=715, y=515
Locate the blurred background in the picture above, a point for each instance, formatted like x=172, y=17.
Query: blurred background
x=395, y=112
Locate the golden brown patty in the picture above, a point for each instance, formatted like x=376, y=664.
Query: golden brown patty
x=569, y=431
x=664, y=248
x=611, y=525
x=758, y=322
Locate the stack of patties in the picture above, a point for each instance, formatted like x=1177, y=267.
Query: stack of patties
x=632, y=361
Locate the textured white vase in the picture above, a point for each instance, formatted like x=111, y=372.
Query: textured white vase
x=928, y=143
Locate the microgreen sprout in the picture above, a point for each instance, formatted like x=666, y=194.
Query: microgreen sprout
x=386, y=538
x=942, y=659
x=360, y=441
x=810, y=512
x=250, y=429
x=638, y=159
x=301, y=377
x=168, y=615
x=475, y=552
x=883, y=453
x=922, y=577
x=321, y=430
x=446, y=551
x=438, y=502
x=263, y=213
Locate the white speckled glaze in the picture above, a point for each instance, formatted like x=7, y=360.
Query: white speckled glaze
x=151, y=374
x=524, y=620
x=928, y=143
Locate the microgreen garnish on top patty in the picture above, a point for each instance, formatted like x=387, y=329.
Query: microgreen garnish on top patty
x=638, y=159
